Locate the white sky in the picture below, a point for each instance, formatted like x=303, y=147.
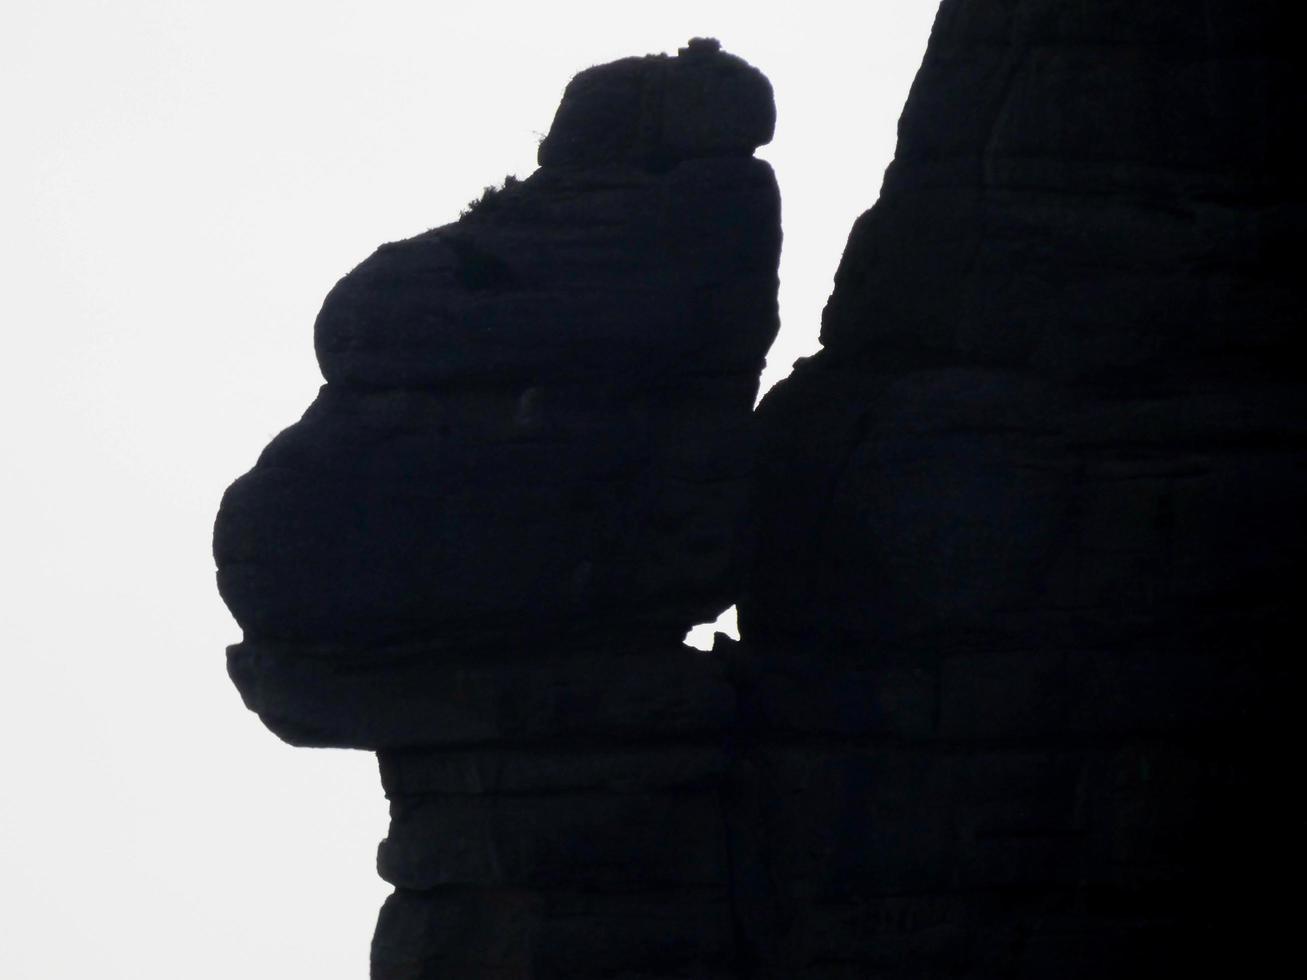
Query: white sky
x=181, y=183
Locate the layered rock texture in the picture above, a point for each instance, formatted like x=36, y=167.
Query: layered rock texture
x=480, y=549
x=1016, y=554
x=536, y=420
x=1018, y=641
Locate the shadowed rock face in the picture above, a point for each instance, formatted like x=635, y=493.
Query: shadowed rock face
x=1065, y=349
x=1032, y=522
x=479, y=550
x=1012, y=698
x=536, y=421
x=655, y=114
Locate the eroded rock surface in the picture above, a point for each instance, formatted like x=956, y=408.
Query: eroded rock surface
x=1032, y=522
x=537, y=419
x=1012, y=698
x=480, y=549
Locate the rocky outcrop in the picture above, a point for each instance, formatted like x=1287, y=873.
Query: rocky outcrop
x=537, y=419
x=1015, y=643
x=480, y=549
x=1018, y=582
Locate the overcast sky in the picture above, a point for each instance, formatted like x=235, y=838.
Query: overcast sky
x=182, y=182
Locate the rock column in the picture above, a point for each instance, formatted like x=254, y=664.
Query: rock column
x=1019, y=643
x=480, y=549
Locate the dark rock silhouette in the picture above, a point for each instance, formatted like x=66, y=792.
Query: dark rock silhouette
x=536, y=422
x=1032, y=522
x=1012, y=697
x=480, y=549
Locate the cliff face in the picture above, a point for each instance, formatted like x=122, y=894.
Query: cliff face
x=1012, y=693
x=1031, y=523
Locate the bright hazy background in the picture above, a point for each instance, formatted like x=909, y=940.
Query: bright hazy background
x=181, y=183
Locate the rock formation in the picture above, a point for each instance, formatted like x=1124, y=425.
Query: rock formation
x=480, y=549
x=1016, y=553
x=1032, y=521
